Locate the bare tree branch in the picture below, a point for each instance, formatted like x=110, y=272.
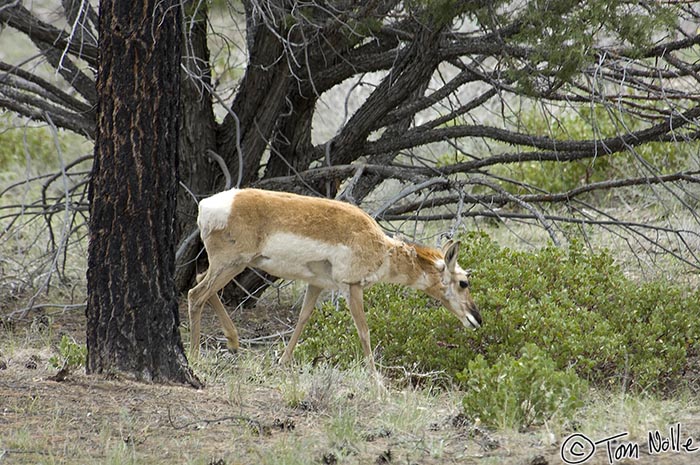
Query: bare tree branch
x=15, y=15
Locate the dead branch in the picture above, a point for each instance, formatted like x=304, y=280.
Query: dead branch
x=260, y=428
x=17, y=16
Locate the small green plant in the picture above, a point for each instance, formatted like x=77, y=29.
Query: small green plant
x=71, y=355
x=342, y=430
x=518, y=392
x=293, y=392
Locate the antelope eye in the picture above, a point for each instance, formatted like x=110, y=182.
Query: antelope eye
x=463, y=284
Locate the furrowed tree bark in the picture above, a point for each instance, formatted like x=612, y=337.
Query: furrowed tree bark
x=132, y=309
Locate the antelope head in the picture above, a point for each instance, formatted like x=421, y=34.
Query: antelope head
x=452, y=289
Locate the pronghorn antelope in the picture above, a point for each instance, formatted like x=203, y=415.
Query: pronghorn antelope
x=326, y=243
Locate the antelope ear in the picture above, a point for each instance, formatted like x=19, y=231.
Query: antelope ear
x=451, y=253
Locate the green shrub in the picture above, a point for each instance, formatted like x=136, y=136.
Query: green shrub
x=16, y=144
x=71, y=355
x=38, y=143
x=519, y=392
x=576, y=306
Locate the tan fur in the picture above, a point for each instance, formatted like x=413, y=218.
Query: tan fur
x=258, y=214
x=328, y=244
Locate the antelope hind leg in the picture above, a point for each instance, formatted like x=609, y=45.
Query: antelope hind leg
x=209, y=283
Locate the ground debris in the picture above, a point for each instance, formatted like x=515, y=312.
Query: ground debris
x=61, y=375
x=32, y=363
x=382, y=432
x=287, y=424
x=258, y=428
x=474, y=430
x=384, y=457
x=329, y=458
x=536, y=460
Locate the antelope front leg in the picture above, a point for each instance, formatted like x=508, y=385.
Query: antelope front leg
x=358, y=316
x=312, y=293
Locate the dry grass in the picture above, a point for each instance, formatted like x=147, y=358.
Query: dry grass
x=253, y=411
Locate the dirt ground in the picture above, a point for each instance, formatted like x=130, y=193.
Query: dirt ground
x=247, y=414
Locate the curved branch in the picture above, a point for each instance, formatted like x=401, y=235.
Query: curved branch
x=17, y=16
x=40, y=86
x=413, y=107
x=633, y=227
x=547, y=197
x=414, y=66
x=37, y=109
x=81, y=82
x=657, y=50
x=321, y=175
x=560, y=150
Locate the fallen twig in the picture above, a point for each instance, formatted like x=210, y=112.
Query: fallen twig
x=251, y=422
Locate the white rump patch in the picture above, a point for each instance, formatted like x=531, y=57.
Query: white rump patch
x=214, y=211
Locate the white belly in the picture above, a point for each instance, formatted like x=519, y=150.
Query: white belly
x=295, y=257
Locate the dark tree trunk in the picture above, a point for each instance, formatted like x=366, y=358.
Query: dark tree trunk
x=201, y=175
x=258, y=103
x=292, y=149
x=132, y=309
x=257, y=106
x=261, y=97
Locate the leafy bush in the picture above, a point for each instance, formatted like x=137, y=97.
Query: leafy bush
x=16, y=144
x=38, y=143
x=71, y=355
x=520, y=392
x=575, y=305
